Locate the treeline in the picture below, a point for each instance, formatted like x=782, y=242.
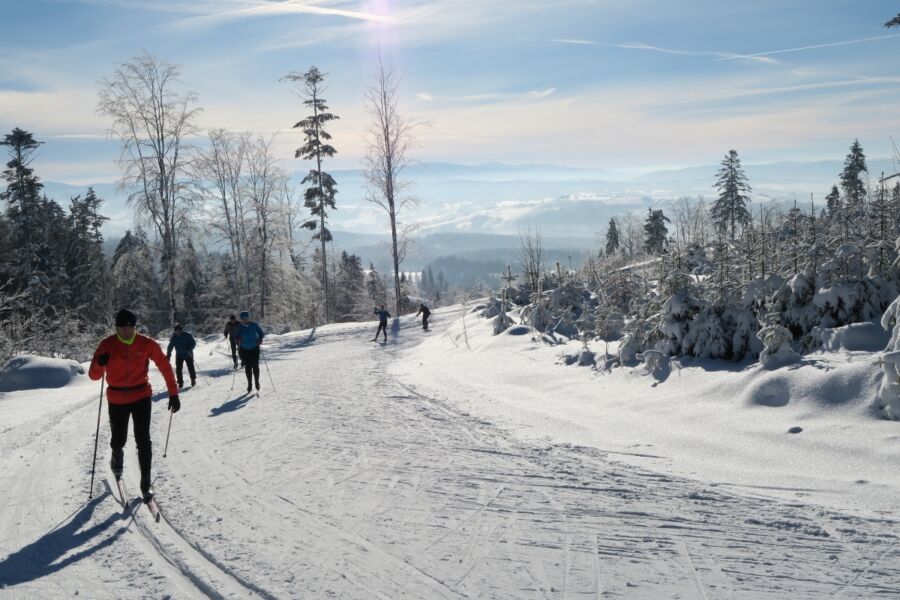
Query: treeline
x=216, y=222
x=727, y=279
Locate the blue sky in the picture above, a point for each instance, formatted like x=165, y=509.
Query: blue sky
x=623, y=85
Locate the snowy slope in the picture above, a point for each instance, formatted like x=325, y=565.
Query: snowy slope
x=366, y=472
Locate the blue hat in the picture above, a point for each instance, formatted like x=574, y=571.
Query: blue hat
x=245, y=314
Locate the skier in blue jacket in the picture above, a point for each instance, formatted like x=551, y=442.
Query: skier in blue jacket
x=184, y=344
x=383, y=316
x=249, y=337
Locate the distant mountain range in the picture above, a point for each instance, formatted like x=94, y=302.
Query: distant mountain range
x=482, y=208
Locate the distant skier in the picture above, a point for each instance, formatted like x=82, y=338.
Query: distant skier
x=231, y=328
x=249, y=338
x=423, y=310
x=184, y=344
x=383, y=316
x=125, y=358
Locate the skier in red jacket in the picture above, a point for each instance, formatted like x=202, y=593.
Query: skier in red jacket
x=125, y=358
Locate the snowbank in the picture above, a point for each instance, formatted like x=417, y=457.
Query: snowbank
x=37, y=372
x=806, y=430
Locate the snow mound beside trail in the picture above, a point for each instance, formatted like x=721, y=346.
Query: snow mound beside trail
x=37, y=372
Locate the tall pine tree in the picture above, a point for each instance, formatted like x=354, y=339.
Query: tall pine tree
x=730, y=208
x=319, y=196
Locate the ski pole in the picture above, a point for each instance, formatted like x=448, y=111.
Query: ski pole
x=97, y=436
x=166, y=449
x=265, y=362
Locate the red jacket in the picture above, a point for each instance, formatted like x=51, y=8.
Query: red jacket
x=126, y=371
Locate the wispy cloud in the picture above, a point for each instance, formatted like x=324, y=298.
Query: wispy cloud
x=576, y=42
x=493, y=96
x=732, y=94
x=651, y=48
x=813, y=47
x=424, y=96
x=265, y=8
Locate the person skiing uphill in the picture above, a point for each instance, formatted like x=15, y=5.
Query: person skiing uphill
x=383, y=316
x=184, y=344
x=124, y=358
x=423, y=310
x=249, y=338
x=231, y=328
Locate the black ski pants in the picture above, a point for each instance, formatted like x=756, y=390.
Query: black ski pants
x=382, y=327
x=425, y=321
x=118, y=422
x=179, y=364
x=250, y=358
x=234, y=352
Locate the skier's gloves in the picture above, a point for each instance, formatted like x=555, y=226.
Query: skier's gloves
x=174, y=403
x=102, y=359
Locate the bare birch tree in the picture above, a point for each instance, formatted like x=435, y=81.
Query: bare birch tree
x=153, y=123
x=389, y=143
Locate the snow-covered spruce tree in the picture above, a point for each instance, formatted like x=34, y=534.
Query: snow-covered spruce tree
x=655, y=231
x=612, y=237
x=777, y=350
x=678, y=313
x=349, y=284
x=853, y=185
x=86, y=266
x=888, y=399
x=135, y=285
x=191, y=287
x=833, y=203
x=22, y=196
x=730, y=208
x=319, y=196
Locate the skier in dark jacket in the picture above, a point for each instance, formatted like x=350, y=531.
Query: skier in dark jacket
x=423, y=310
x=124, y=359
x=184, y=344
x=231, y=328
x=249, y=338
x=383, y=316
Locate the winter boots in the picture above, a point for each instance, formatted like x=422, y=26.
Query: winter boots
x=116, y=462
x=146, y=490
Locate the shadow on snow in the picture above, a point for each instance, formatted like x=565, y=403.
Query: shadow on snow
x=42, y=557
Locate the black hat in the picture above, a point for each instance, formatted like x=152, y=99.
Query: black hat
x=177, y=327
x=232, y=318
x=125, y=318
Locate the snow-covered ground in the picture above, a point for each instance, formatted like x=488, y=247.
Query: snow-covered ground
x=455, y=464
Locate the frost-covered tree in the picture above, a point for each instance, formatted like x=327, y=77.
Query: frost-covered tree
x=655, y=231
x=612, y=237
x=135, y=284
x=86, y=266
x=730, y=208
x=23, y=198
x=390, y=141
x=319, y=196
x=833, y=203
x=851, y=179
x=153, y=123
